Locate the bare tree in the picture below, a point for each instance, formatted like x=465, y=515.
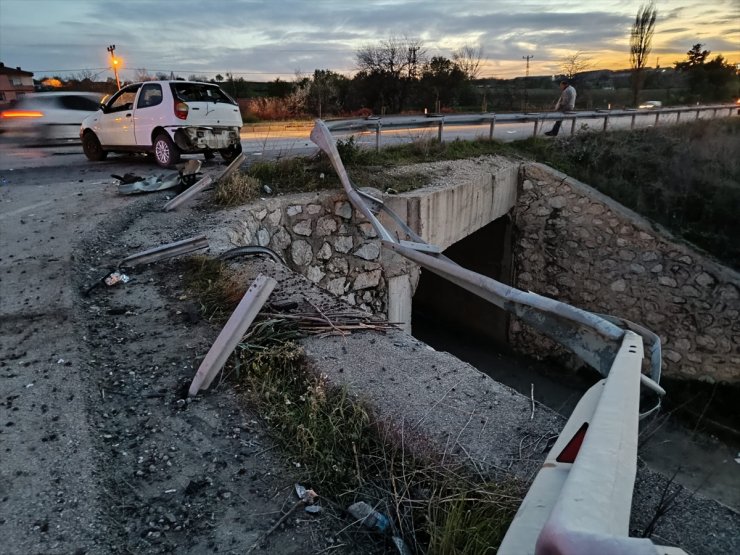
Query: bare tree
x=573, y=64
x=641, y=39
x=393, y=65
x=396, y=56
x=468, y=59
x=141, y=74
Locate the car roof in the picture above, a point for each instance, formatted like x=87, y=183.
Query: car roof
x=178, y=81
x=63, y=93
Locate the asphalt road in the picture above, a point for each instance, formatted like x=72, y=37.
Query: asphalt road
x=278, y=141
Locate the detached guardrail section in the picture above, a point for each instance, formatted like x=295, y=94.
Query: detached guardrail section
x=580, y=501
x=378, y=124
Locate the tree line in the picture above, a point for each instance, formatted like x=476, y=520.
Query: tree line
x=397, y=75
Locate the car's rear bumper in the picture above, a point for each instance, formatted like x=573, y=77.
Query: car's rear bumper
x=192, y=139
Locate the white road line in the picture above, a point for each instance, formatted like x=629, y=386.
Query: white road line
x=24, y=209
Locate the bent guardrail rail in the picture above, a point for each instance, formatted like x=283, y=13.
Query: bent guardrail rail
x=593, y=338
x=577, y=505
x=580, y=501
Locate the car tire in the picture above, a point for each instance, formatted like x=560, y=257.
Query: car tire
x=92, y=148
x=229, y=154
x=166, y=153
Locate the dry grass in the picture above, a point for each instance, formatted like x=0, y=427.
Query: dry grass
x=238, y=188
x=344, y=452
x=346, y=455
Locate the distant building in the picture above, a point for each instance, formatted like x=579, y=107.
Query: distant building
x=14, y=83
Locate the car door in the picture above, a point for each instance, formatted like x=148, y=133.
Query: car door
x=148, y=113
x=116, y=123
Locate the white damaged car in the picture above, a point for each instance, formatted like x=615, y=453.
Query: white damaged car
x=167, y=119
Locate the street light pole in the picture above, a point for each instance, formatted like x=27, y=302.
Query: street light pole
x=526, y=78
x=110, y=49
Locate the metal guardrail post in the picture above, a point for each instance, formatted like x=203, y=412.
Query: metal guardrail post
x=632, y=122
x=573, y=127
x=441, y=129
x=697, y=113
x=534, y=133
x=377, y=137
x=490, y=130
x=657, y=115
x=606, y=123
x=235, y=328
x=678, y=117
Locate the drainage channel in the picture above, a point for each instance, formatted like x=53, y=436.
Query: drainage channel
x=700, y=460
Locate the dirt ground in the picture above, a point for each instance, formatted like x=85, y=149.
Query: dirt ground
x=101, y=450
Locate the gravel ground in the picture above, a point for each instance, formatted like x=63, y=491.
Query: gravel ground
x=101, y=451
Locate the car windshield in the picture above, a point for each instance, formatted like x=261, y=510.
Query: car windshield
x=199, y=92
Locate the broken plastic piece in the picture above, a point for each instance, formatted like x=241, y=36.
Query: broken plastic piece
x=148, y=185
x=369, y=517
x=115, y=277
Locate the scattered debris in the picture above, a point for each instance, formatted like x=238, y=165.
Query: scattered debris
x=232, y=332
x=369, y=517
x=114, y=278
x=201, y=185
x=251, y=250
x=165, y=251
x=306, y=498
x=403, y=549
x=135, y=184
x=185, y=178
x=188, y=194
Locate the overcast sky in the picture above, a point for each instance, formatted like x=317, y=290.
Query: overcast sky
x=263, y=40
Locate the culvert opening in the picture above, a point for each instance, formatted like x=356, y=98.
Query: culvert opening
x=450, y=319
x=440, y=303
x=680, y=441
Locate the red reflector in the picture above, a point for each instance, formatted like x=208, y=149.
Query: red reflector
x=568, y=455
x=22, y=114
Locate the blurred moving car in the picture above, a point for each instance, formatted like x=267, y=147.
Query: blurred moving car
x=48, y=116
x=166, y=119
x=649, y=104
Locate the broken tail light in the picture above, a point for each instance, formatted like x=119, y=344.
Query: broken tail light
x=181, y=110
x=21, y=114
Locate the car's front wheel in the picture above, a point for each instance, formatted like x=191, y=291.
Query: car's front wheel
x=92, y=148
x=229, y=154
x=166, y=153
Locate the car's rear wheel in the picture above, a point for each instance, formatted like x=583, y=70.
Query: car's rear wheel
x=92, y=148
x=166, y=153
x=228, y=154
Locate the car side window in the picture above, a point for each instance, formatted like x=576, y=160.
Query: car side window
x=151, y=95
x=123, y=100
x=74, y=102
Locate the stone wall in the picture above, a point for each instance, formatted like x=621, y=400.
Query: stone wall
x=580, y=247
x=322, y=237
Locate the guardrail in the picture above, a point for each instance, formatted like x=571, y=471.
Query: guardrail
x=580, y=501
x=378, y=124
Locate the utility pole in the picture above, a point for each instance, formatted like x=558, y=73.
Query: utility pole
x=526, y=79
x=114, y=61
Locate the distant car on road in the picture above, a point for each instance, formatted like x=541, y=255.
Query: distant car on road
x=167, y=119
x=48, y=116
x=650, y=104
